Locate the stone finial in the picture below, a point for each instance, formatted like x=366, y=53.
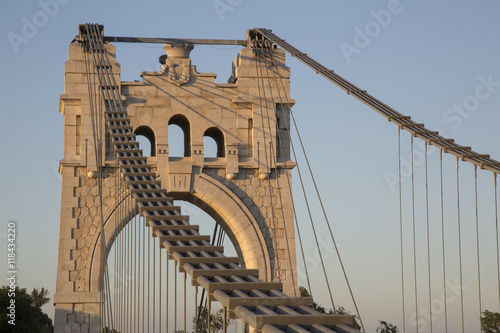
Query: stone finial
x=178, y=50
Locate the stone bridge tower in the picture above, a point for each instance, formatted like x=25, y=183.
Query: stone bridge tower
x=245, y=189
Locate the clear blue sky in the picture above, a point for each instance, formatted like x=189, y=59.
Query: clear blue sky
x=422, y=60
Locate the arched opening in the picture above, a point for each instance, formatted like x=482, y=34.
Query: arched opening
x=211, y=136
x=147, y=140
x=134, y=257
x=179, y=127
x=139, y=277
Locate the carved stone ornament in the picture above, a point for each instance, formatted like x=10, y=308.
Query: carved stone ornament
x=178, y=70
x=178, y=64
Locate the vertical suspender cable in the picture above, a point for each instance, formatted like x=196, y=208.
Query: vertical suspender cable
x=428, y=236
x=131, y=267
x=154, y=284
x=143, y=272
x=149, y=280
x=208, y=314
x=139, y=274
x=185, y=301
x=497, y=240
x=175, y=296
x=135, y=273
x=443, y=240
x=115, y=263
x=477, y=241
x=159, y=291
x=401, y=229
x=414, y=233
x=166, y=296
x=122, y=259
x=460, y=247
x=196, y=309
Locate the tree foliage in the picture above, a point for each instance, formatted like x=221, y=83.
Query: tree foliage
x=490, y=322
x=340, y=310
x=216, y=321
x=29, y=318
x=109, y=330
x=40, y=297
x=385, y=327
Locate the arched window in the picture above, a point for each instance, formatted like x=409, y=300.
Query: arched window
x=147, y=140
x=214, y=134
x=179, y=144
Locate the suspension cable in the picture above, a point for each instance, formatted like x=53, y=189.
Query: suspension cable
x=175, y=296
x=477, y=241
x=460, y=247
x=149, y=279
x=401, y=229
x=428, y=236
x=311, y=219
x=288, y=178
x=166, y=296
x=274, y=160
x=496, y=236
x=159, y=289
x=443, y=240
x=185, y=307
x=414, y=231
x=135, y=273
x=268, y=165
x=154, y=284
x=143, y=273
x=322, y=207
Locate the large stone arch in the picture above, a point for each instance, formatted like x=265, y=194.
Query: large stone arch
x=229, y=211
x=212, y=197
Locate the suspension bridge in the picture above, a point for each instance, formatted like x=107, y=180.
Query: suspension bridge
x=127, y=252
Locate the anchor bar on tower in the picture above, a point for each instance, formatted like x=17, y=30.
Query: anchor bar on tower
x=114, y=39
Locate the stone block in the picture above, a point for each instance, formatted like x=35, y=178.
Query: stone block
x=80, y=318
x=76, y=328
x=71, y=318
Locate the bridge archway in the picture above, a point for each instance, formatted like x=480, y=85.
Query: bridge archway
x=210, y=196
